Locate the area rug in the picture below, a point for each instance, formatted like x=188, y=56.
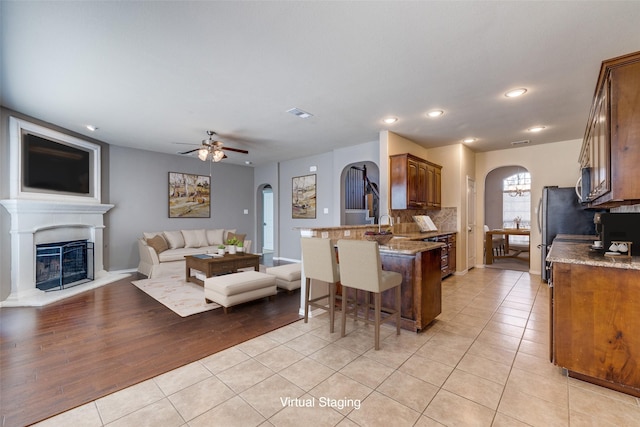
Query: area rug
x=184, y=298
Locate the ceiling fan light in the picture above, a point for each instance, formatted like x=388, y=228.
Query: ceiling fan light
x=217, y=155
x=203, y=153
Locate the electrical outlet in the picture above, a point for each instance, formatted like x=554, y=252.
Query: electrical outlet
x=325, y=234
x=347, y=233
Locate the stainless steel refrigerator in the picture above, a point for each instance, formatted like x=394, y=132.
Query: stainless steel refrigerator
x=560, y=212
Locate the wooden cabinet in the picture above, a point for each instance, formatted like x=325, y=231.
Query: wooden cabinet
x=415, y=183
x=595, y=322
x=448, y=254
x=611, y=145
x=421, y=287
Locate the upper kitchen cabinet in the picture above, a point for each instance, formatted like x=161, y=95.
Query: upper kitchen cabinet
x=415, y=183
x=611, y=146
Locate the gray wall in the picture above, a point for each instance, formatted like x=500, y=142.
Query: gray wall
x=138, y=187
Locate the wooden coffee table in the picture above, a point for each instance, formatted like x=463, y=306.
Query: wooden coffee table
x=211, y=266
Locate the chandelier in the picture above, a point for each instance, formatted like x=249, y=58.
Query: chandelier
x=518, y=185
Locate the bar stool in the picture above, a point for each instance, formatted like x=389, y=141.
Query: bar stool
x=319, y=263
x=361, y=268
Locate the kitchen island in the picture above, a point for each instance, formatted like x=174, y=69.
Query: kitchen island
x=418, y=262
x=595, y=315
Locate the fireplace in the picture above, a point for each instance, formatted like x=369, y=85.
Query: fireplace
x=41, y=218
x=64, y=264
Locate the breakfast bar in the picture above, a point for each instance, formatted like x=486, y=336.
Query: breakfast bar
x=419, y=263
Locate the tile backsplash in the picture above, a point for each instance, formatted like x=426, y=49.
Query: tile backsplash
x=446, y=219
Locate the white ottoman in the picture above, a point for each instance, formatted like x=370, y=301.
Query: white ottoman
x=231, y=289
x=287, y=275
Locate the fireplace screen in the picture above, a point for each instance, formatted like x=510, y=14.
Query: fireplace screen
x=63, y=265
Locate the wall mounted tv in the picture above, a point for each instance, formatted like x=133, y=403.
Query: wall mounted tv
x=49, y=165
x=53, y=166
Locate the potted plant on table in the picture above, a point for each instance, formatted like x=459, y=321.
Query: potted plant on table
x=221, y=249
x=240, y=246
x=231, y=245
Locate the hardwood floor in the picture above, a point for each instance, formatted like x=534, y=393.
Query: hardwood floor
x=68, y=353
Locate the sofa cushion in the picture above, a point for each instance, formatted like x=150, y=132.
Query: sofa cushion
x=194, y=238
x=215, y=236
x=240, y=237
x=179, y=254
x=174, y=239
x=158, y=243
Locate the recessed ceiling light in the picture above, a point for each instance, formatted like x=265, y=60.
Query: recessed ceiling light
x=248, y=162
x=92, y=128
x=390, y=120
x=514, y=93
x=435, y=113
x=469, y=140
x=536, y=129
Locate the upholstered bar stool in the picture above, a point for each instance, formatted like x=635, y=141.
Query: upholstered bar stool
x=319, y=263
x=361, y=268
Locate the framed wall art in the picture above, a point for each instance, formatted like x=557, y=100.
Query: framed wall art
x=189, y=195
x=303, y=201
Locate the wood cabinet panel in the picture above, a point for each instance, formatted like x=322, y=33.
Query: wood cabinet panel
x=421, y=287
x=611, y=146
x=415, y=182
x=595, y=324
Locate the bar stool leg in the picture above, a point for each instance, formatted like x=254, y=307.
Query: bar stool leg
x=306, y=299
x=332, y=305
x=377, y=304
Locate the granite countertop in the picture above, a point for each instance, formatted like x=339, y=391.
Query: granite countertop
x=408, y=247
x=581, y=253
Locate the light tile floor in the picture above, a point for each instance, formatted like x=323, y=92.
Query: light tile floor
x=484, y=362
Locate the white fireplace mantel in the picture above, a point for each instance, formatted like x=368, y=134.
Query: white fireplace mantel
x=41, y=221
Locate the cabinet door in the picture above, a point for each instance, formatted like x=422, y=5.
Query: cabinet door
x=596, y=322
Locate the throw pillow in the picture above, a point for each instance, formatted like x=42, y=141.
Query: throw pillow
x=174, y=239
x=215, y=237
x=240, y=237
x=194, y=238
x=158, y=243
x=226, y=234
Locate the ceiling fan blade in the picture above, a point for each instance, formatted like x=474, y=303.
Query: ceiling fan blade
x=190, y=151
x=237, y=150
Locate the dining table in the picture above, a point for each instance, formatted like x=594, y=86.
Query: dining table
x=506, y=232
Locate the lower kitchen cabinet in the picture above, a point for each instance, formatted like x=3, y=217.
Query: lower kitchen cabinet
x=595, y=324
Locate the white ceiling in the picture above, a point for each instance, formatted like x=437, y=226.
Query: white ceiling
x=153, y=74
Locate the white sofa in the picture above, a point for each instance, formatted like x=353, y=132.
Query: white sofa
x=161, y=259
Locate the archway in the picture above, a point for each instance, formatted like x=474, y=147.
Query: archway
x=360, y=197
x=507, y=206
x=265, y=220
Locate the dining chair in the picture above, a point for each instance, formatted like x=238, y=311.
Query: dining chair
x=319, y=263
x=361, y=269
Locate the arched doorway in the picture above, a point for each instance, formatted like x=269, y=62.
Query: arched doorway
x=266, y=217
x=507, y=205
x=360, y=201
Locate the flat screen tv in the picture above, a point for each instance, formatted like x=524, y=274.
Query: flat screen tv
x=53, y=166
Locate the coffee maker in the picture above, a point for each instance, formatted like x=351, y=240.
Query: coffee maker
x=619, y=227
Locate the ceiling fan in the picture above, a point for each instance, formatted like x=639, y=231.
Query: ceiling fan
x=213, y=147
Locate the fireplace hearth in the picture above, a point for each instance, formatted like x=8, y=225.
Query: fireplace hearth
x=64, y=264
